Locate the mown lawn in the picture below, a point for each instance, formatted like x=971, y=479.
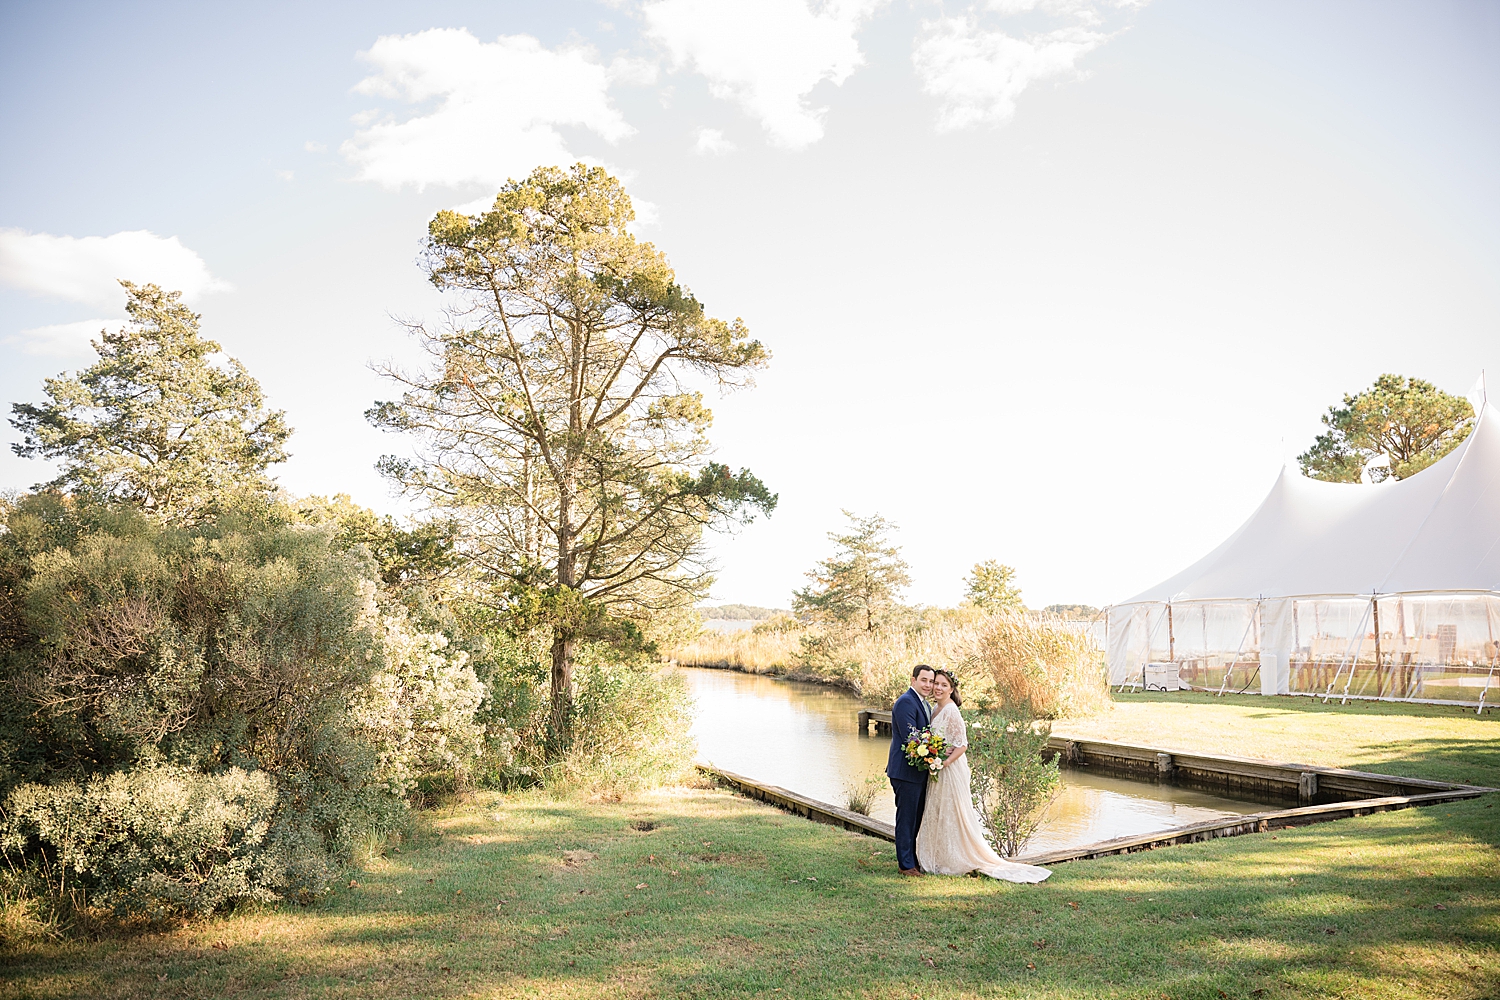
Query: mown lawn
x=526, y=896
x=1441, y=742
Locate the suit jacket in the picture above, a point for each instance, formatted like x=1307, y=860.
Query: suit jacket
x=909, y=713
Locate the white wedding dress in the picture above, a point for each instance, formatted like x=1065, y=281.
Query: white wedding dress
x=951, y=840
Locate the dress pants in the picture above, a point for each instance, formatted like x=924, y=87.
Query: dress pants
x=911, y=796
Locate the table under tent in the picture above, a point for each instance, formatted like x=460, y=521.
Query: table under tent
x=1386, y=591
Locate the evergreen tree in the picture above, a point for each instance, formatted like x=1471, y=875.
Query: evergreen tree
x=555, y=424
x=992, y=586
x=1406, y=421
x=155, y=422
x=859, y=586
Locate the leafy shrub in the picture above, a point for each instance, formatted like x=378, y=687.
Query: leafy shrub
x=231, y=644
x=630, y=727
x=629, y=718
x=1012, y=784
x=153, y=841
x=419, y=712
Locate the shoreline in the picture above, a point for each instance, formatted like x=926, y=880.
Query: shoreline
x=797, y=677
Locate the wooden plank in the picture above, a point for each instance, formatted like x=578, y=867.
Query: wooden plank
x=821, y=812
x=1330, y=779
x=1234, y=826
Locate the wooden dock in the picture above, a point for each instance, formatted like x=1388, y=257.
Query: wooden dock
x=1354, y=793
x=881, y=719
x=818, y=812
x=1241, y=777
x=1262, y=822
x=1233, y=777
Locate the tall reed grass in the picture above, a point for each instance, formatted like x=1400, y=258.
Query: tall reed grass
x=754, y=651
x=1040, y=668
x=1032, y=666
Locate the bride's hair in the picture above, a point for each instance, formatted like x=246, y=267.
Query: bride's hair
x=953, y=683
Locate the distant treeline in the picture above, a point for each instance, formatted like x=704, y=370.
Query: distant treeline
x=739, y=613
x=1075, y=611
x=749, y=612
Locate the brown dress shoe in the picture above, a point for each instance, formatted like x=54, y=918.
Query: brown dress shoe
x=912, y=871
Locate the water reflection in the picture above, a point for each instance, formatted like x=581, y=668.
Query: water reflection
x=804, y=737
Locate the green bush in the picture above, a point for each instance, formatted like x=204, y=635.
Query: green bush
x=153, y=841
x=630, y=726
x=1012, y=783
x=630, y=718
x=126, y=645
x=419, y=712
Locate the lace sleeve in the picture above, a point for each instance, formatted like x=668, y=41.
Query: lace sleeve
x=955, y=731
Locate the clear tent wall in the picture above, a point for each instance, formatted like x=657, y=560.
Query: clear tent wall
x=1437, y=648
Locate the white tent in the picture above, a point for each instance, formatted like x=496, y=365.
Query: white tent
x=1389, y=590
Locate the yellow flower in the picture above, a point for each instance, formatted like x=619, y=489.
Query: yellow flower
x=922, y=751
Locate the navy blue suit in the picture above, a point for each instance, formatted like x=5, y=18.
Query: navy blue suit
x=909, y=713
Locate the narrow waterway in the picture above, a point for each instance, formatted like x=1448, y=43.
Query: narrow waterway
x=805, y=737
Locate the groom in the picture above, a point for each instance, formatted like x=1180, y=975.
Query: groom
x=910, y=712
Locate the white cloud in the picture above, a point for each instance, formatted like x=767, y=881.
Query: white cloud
x=1085, y=10
x=495, y=108
x=765, y=55
x=61, y=340
x=647, y=215
x=88, y=269
x=285, y=175
x=314, y=147
x=977, y=75
x=711, y=141
x=633, y=72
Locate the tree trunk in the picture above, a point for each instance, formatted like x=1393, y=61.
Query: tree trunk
x=564, y=638
x=560, y=729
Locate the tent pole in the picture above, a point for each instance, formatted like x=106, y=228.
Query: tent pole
x=1379, y=666
x=1354, y=644
x=1171, y=637
x=1355, y=661
x=1489, y=626
x=1246, y=634
x=1203, y=663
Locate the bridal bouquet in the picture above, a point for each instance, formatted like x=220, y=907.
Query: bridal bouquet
x=925, y=750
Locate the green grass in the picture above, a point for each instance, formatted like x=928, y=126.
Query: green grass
x=1441, y=742
x=727, y=897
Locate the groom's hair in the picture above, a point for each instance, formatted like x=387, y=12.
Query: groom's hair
x=917, y=670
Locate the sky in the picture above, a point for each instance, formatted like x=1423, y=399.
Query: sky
x=1054, y=282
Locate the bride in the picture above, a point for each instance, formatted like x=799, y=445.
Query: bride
x=950, y=841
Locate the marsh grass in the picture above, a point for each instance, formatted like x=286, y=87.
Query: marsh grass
x=859, y=796
x=1032, y=665
x=749, y=650
x=1040, y=669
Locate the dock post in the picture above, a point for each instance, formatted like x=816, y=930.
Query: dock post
x=1164, y=764
x=1307, y=788
x=864, y=723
